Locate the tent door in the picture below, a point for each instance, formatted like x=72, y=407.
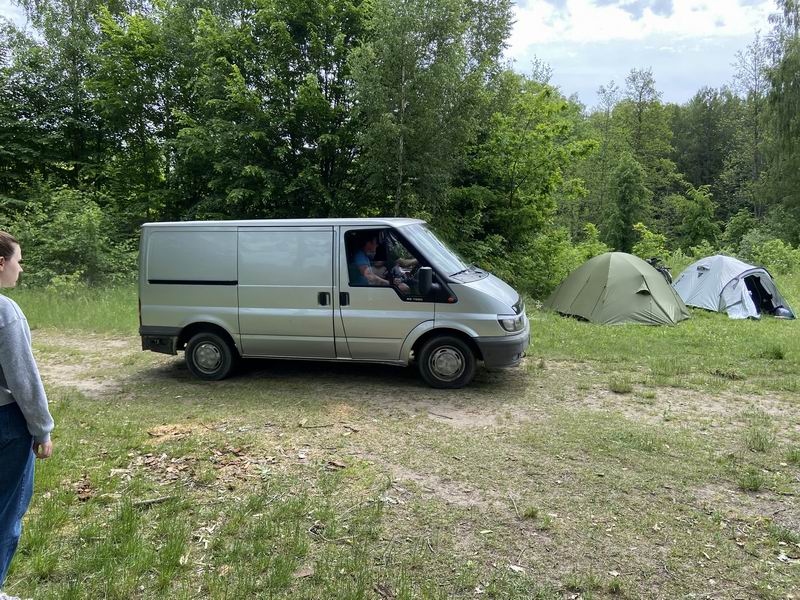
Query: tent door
x=762, y=298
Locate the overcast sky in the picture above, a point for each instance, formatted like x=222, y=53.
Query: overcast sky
x=687, y=43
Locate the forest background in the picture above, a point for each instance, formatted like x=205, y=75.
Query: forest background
x=117, y=113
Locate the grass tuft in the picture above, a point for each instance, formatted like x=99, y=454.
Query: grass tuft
x=620, y=384
x=669, y=366
x=615, y=585
x=530, y=512
x=793, y=456
x=728, y=373
x=773, y=352
x=582, y=582
x=759, y=439
x=759, y=435
x=752, y=480
x=546, y=523
x=783, y=534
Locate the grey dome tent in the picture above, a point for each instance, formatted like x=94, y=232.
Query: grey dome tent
x=618, y=288
x=722, y=283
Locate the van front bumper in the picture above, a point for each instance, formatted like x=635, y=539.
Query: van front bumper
x=505, y=351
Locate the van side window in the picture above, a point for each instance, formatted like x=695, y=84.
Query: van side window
x=378, y=257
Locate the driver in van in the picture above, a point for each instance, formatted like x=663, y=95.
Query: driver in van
x=365, y=266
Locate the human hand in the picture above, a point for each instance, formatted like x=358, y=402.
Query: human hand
x=43, y=449
x=403, y=288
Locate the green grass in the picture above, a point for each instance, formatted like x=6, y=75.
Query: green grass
x=531, y=512
x=317, y=481
x=620, y=384
x=708, y=350
x=583, y=582
x=106, y=310
x=773, y=352
x=751, y=480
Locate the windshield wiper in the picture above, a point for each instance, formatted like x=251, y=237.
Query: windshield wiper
x=469, y=268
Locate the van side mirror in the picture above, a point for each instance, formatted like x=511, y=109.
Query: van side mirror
x=425, y=278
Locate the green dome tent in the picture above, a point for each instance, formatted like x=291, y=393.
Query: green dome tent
x=618, y=288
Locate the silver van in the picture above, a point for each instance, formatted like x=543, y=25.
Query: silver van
x=360, y=290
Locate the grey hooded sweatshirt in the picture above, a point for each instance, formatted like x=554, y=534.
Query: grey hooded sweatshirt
x=19, y=376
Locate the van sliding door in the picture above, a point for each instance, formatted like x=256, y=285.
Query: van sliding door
x=286, y=291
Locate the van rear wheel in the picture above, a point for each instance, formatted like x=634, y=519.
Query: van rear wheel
x=209, y=356
x=447, y=362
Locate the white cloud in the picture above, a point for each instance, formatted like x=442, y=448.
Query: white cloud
x=587, y=45
x=583, y=21
x=13, y=13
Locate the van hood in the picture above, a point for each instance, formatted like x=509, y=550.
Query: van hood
x=497, y=289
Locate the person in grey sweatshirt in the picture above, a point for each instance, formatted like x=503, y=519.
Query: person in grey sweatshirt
x=25, y=421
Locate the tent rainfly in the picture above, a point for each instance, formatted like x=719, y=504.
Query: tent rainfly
x=618, y=288
x=721, y=283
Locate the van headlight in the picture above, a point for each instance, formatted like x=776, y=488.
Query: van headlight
x=512, y=323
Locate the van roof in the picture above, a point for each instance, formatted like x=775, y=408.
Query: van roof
x=384, y=221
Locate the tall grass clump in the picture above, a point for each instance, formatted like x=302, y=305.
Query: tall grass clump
x=620, y=384
x=773, y=352
x=93, y=309
x=759, y=435
x=759, y=439
x=751, y=480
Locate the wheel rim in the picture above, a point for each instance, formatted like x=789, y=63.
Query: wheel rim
x=447, y=363
x=207, y=357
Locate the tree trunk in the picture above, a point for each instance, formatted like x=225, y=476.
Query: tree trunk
x=401, y=150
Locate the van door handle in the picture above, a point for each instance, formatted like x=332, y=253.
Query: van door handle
x=324, y=298
x=344, y=298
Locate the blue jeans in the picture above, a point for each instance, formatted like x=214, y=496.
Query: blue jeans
x=16, y=481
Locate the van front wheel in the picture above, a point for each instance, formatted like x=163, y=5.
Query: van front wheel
x=447, y=362
x=209, y=357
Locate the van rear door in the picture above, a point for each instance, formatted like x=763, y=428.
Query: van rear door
x=285, y=291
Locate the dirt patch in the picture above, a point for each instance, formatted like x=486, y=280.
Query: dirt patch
x=77, y=377
x=89, y=354
x=165, y=433
x=676, y=403
x=784, y=510
x=460, y=417
x=86, y=343
x=460, y=494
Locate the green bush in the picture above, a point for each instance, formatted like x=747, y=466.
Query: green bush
x=751, y=241
x=738, y=226
x=777, y=256
x=552, y=256
x=68, y=241
x=650, y=244
x=703, y=249
x=590, y=246
x=540, y=263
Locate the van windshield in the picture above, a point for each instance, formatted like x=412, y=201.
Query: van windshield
x=434, y=249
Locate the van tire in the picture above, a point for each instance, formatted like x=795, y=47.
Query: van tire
x=209, y=356
x=447, y=362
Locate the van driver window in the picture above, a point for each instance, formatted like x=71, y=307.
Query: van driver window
x=376, y=257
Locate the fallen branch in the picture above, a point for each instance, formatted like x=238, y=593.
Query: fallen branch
x=152, y=501
x=516, y=510
x=430, y=412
